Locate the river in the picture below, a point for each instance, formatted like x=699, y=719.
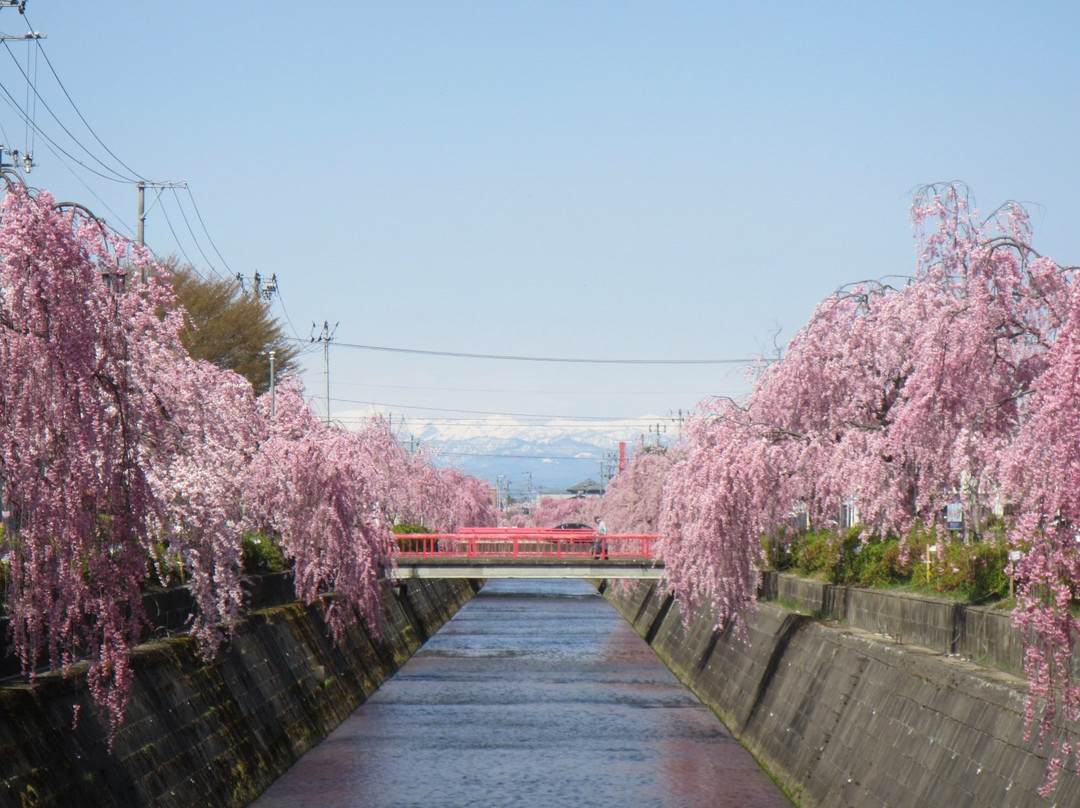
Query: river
x=536, y=694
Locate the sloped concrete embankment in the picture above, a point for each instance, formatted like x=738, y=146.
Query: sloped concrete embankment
x=843, y=718
x=210, y=734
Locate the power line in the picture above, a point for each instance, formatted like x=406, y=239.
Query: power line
x=33, y=125
x=14, y=105
x=190, y=231
x=589, y=459
x=183, y=252
x=77, y=112
x=531, y=426
x=650, y=418
x=209, y=238
x=281, y=302
x=569, y=360
x=117, y=176
x=592, y=458
x=545, y=391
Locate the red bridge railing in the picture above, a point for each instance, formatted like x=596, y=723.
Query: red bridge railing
x=520, y=542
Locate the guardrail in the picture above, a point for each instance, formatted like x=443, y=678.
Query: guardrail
x=549, y=543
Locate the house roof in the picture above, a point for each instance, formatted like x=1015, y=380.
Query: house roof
x=586, y=486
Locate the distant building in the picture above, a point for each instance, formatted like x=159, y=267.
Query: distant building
x=586, y=488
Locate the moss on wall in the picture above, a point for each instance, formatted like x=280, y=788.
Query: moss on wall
x=209, y=734
x=846, y=719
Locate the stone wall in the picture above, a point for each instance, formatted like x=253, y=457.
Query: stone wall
x=845, y=719
x=210, y=733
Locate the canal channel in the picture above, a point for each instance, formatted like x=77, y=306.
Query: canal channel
x=537, y=693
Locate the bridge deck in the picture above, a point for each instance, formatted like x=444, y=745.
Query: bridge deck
x=527, y=553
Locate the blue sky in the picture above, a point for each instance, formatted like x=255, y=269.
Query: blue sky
x=675, y=180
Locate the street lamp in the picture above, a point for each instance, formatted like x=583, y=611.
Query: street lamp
x=272, y=391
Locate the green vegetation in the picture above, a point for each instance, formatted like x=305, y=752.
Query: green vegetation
x=974, y=571
x=166, y=568
x=404, y=530
x=411, y=528
x=262, y=554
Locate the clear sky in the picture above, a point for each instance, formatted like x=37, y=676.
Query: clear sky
x=629, y=180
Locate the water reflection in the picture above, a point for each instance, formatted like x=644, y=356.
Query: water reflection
x=536, y=694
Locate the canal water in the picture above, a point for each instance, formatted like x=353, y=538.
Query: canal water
x=536, y=694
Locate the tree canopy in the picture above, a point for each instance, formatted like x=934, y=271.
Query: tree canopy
x=230, y=327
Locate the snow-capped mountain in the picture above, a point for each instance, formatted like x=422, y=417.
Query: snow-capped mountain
x=551, y=455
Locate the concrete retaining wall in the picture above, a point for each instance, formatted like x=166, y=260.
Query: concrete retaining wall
x=210, y=734
x=984, y=635
x=845, y=719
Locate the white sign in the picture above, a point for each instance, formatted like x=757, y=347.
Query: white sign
x=954, y=516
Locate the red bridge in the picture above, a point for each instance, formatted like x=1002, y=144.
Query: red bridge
x=528, y=553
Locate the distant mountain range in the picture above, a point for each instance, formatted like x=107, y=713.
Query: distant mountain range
x=549, y=457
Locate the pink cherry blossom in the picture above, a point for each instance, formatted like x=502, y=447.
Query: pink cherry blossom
x=121, y=456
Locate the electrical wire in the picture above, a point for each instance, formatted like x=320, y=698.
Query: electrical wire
x=545, y=392
x=192, y=232
x=591, y=458
x=118, y=177
x=183, y=252
x=209, y=238
x=14, y=105
x=133, y=176
x=281, y=302
x=568, y=360
x=4, y=134
x=104, y=205
x=71, y=101
x=452, y=453
x=588, y=418
x=459, y=354
x=556, y=427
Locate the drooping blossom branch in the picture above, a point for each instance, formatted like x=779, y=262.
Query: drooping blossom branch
x=121, y=456
x=898, y=399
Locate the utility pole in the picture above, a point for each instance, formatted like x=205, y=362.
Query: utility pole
x=326, y=336
x=263, y=288
x=19, y=162
x=141, y=186
x=607, y=470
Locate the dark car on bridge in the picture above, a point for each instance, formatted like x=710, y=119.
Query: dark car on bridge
x=578, y=543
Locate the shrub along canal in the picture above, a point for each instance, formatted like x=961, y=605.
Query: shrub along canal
x=537, y=693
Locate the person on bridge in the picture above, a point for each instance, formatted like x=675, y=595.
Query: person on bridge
x=600, y=545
